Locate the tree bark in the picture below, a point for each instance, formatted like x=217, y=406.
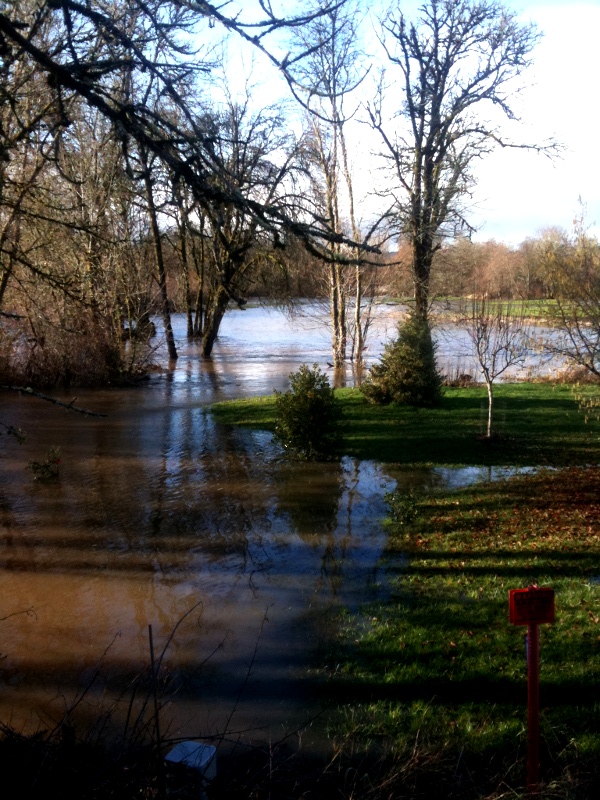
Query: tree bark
x=160, y=264
x=338, y=315
x=359, y=340
x=186, y=275
x=213, y=319
x=199, y=257
x=422, y=260
x=490, y=392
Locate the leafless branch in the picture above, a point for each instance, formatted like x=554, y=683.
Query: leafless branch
x=27, y=391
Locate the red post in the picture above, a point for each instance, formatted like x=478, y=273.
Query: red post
x=533, y=709
x=533, y=607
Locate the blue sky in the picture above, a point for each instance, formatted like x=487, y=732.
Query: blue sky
x=518, y=193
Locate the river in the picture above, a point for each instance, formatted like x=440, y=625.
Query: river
x=235, y=557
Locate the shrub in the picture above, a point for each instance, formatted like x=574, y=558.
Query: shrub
x=407, y=373
x=79, y=348
x=49, y=469
x=306, y=416
x=403, y=507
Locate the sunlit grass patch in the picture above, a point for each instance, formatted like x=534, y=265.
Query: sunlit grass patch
x=438, y=667
x=256, y=412
x=537, y=424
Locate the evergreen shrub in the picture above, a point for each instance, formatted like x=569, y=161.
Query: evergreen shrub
x=307, y=416
x=407, y=373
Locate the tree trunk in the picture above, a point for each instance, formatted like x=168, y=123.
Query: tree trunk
x=490, y=408
x=186, y=277
x=421, y=298
x=182, y=228
x=212, y=320
x=4, y=281
x=338, y=315
x=198, y=327
x=358, y=332
x=422, y=259
x=160, y=264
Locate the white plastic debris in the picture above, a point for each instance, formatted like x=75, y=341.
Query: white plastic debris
x=197, y=756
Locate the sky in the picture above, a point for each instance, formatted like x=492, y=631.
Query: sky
x=521, y=192
x=518, y=193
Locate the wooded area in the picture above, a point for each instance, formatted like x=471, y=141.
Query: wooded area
x=138, y=177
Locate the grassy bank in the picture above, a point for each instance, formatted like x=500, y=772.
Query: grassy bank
x=429, y=686
x=543, y=311
x=438, y=674
x=537, y=424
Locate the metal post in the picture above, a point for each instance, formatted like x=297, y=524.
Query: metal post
x=533, y=607
x=533, y=709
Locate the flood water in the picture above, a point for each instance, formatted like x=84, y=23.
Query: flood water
x=159, y=512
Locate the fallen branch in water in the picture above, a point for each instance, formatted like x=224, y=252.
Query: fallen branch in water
x=28, y=391
x=10, y=430
x=29, y=611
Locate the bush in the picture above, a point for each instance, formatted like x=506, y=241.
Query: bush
x=306, y=416
x=403, y=507
x=49, y=469
x=407, y=373
x=79, y=348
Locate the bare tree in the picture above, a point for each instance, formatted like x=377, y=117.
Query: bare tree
x=325, y=81
x=63, y=266
x=190, y=245
x=327, y=76
x=258, y=155
x=29, y=116
x=95, y=41
x=501, y=339
x=459, y=61
x=461, y=266
x=572, y=268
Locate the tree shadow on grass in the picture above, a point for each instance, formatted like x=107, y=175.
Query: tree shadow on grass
x=533, y=430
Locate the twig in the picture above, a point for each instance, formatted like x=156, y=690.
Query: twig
x=174, y=631
x=154, y=688
x=11, y=315
x=10, y=430
x=29, y=611
x=161, y=775
x=248, y=672
x=79, y=697
x=70, y=406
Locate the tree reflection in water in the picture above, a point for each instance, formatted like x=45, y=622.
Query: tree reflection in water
x=157, y=509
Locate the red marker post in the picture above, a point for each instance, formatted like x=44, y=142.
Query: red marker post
x=533, y=607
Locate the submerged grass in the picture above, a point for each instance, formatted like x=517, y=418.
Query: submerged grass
x=535, y=424
x=438, y=667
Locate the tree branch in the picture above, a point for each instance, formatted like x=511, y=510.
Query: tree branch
x=69, y=406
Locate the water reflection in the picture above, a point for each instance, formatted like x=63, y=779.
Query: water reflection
x=157, y=510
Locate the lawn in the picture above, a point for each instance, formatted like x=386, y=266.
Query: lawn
x=544, y=310
x=429, y=684
x=536, y=424
x=438, y=675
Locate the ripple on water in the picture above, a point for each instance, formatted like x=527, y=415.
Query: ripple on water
x=157, y=510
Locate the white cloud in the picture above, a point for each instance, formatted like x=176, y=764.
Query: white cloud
x=520, y=192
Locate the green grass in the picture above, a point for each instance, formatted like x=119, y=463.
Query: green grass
x=437, y=669
x=433, y=679
x=537, y=424
x=545, y=309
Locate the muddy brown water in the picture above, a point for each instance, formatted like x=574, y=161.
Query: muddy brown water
x=238, y=559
